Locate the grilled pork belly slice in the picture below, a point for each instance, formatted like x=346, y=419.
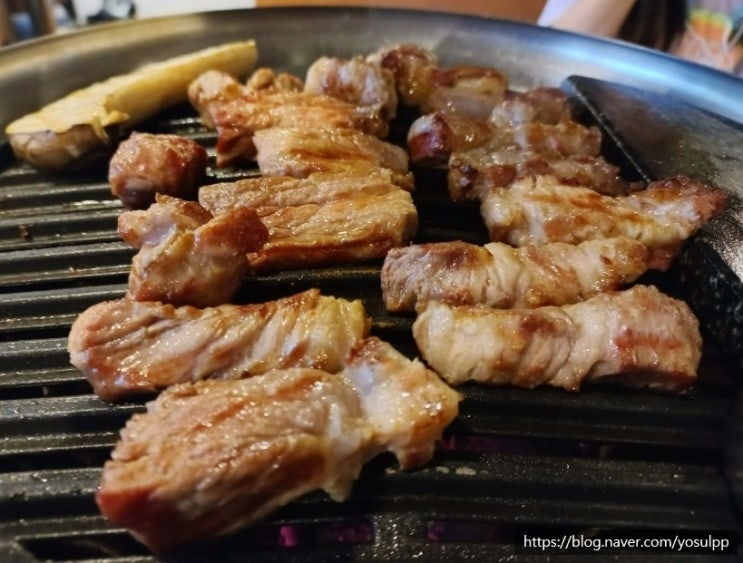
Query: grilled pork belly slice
x=214, y=88
x=237, y=120
x=466, y=89
x=291, y=151
x=211, y=89
x=209, y=458
x=407, y=404
x=498, y=275
x=536, y=105
x=266, y=80
x=412, y=68
x=638, y=337
x=433, y=137
x=473, y=174
x=358, y=81
x=340, y=231
x=186, y=256
x=146, y=164
x=285, y=191
x=126, y=346
x=541, y=209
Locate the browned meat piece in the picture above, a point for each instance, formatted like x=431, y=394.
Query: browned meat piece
x=209, y=458
x=468, y=90
x=341, y=231
x=498, y=275
x=538, y=105
x=146, y=164
x=357, y=81
x=540, y=209
x=266, y=80
x=127, y=346
x=236, y=121
x=186, y=256
x=433, y=137
x=639, y=337
x=407, y=404
x=412, y=68
x=291, y=151
x=213, y=89
x=210, y=90
x=473, y=174
x=285, y=191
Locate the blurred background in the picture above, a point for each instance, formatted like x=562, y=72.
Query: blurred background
x=25, y=19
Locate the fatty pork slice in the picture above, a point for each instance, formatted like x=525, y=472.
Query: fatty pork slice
x=186, y=256
x=435, y=136
x=473, y=174
x=215, y=88
x=541, y=209
x=146, y=164
x=338, y=232
x=358, y=81
x=125, y=346
x=298, y=152
x=412, y=68
x=209, y=458
x=287, y=191
x=638, y=337
x=236, y=121
x=408, y=405
x=498, y=275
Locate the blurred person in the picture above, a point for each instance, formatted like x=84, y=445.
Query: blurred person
x=705, y=31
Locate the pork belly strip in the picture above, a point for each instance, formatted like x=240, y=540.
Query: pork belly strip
x=212, y=457
x=186, y=256
x=358, y=81
x=237, y=120
x=215, y=88
x=433, y=137
x=287, y=191
x=412, y=68
x=290, y=151
x=341, y=231
x=541, y=209
x=471, y=175
x=639, y=337
x=125, y=346
x=498, y=275
x=408, y=405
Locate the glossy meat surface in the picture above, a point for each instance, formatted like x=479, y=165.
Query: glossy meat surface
x=342, y=231
x=125, y=346
x=291, y=151
x=211, y=457
x=237, y=120
x=146, y=164
x=287, y=191
x=541, y=209
x=186, y=256
x=638, y=337
x=498, y=275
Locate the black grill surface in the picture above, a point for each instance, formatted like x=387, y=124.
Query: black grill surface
x=514, y=462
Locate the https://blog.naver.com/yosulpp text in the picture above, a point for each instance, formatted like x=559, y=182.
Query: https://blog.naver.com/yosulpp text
x=612, y=541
